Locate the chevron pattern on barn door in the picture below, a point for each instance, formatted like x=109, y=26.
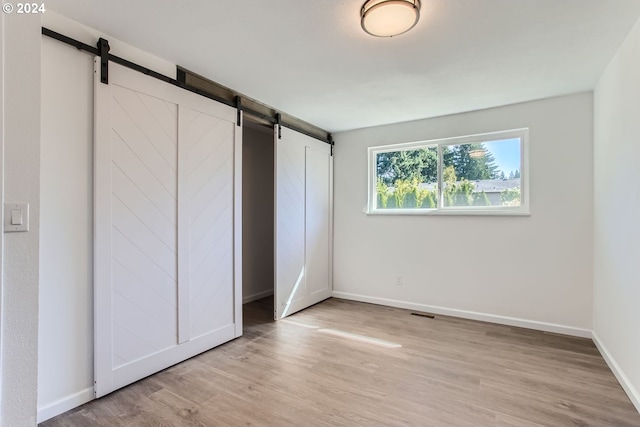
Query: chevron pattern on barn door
x=211, y=187
x=303, y=222
x=290, y=225
x=167, y=265
x=144, y=225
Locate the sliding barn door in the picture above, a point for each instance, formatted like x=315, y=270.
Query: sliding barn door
x=303, y=222
x=167, y=226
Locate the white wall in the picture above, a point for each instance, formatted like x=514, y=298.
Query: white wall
x=65, y=377
x=21, y=80
x=532, y=271
x=257, y=212
x=616, y=311
x=66, y=244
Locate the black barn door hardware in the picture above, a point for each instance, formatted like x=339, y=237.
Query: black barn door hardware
x=102, y=50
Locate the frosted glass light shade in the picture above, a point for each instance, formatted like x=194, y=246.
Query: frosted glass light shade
x=388, y=18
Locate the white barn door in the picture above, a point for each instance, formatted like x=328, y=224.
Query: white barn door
x=167, y=226
x=304, y=182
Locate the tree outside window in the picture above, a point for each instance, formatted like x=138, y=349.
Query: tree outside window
x=483, y=174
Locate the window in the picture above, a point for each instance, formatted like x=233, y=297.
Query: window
x=478, y=174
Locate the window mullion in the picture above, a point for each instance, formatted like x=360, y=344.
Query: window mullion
x=440, y=193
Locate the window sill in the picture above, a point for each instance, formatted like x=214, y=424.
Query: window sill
x=450, y=212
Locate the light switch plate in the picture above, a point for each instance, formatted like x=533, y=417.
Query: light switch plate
x=10, y=211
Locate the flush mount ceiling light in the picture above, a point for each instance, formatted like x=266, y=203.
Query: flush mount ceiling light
x=388, y=18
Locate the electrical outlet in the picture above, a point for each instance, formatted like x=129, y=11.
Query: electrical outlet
x=399, y=280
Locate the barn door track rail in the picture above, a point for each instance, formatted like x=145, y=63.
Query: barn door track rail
x=272, y=116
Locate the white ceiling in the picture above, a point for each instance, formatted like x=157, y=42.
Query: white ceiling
x=311, y=59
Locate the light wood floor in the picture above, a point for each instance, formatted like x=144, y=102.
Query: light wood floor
x=447, y=372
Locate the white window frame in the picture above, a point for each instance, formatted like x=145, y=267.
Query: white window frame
x=523, y=209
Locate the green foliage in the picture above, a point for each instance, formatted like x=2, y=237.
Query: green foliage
x=456, y=193
x=402, y=188
x=431, y=200
x=449, y=198
x=510, y=197
x=462, y=193
x=471, y=161
x=481, y=199
x=449, y=175
x=383, y=192
x=423, y=198
x=422, y=195
x=468, y=162
x=407, y=165
x=405, y=174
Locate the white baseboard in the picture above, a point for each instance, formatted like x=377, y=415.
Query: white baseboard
x=255, y=297
x=631, y=391
x=65, y=404
x=484, y=317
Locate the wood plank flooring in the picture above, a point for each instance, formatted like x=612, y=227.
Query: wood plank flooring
x=448, y=372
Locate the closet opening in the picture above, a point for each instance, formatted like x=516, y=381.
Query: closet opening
x=258, y=194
